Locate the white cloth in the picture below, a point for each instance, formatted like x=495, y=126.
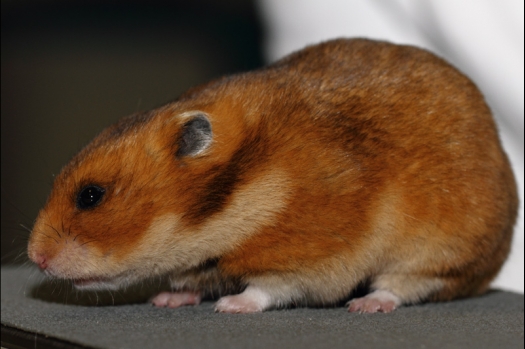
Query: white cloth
x=483, y=38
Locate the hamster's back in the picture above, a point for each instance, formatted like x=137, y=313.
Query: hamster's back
x=396, y=162
x=350, y=162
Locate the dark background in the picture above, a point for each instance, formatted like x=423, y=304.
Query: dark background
x=71, y=68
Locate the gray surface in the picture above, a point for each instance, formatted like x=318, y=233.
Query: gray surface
x=495, y=320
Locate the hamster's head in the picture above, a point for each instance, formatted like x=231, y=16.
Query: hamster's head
x=121, y=210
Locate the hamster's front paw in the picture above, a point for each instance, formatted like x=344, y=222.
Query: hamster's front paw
x=377, y=301
x=176, y=299
x=252, y=300
x=237, y=305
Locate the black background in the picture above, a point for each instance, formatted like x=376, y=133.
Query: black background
x=71, y=68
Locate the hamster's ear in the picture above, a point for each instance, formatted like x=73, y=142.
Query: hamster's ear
x=196, y=136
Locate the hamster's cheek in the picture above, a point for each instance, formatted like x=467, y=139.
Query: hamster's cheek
x=70, y=251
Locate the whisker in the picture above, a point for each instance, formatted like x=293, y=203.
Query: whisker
x=25, y=228
x=18, y=253
x=87, y=242
x=56, y=231
x=50, y=237
x=62, y=224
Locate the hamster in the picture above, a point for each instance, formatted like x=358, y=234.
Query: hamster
x=351, y=163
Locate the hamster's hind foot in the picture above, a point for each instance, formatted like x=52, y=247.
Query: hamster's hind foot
x=377, y=301
x=176, y=299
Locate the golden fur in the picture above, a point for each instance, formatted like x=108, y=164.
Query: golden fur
x=347, y=163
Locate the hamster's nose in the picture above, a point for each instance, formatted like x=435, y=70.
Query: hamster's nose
x=41, y=261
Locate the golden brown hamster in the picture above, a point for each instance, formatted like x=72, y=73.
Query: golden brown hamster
x=352, y=162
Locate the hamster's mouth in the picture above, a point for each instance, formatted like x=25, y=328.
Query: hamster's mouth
x=100, y=283
x=93, y=283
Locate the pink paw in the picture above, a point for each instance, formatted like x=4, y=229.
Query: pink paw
x=377, y=301
x=175, y=300
x=237, y=305
x=252, y=300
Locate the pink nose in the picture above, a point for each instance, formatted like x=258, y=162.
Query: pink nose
x=41, y=261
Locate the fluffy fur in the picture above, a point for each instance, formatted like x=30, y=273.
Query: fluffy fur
x=348, y=163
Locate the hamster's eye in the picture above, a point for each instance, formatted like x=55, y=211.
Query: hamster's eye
x=89, y=197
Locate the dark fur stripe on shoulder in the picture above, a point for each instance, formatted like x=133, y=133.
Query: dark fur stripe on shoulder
x=224, y=179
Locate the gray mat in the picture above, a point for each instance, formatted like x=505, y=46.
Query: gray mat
x=495, y=320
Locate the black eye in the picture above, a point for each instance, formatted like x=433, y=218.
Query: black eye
x=89, y=197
